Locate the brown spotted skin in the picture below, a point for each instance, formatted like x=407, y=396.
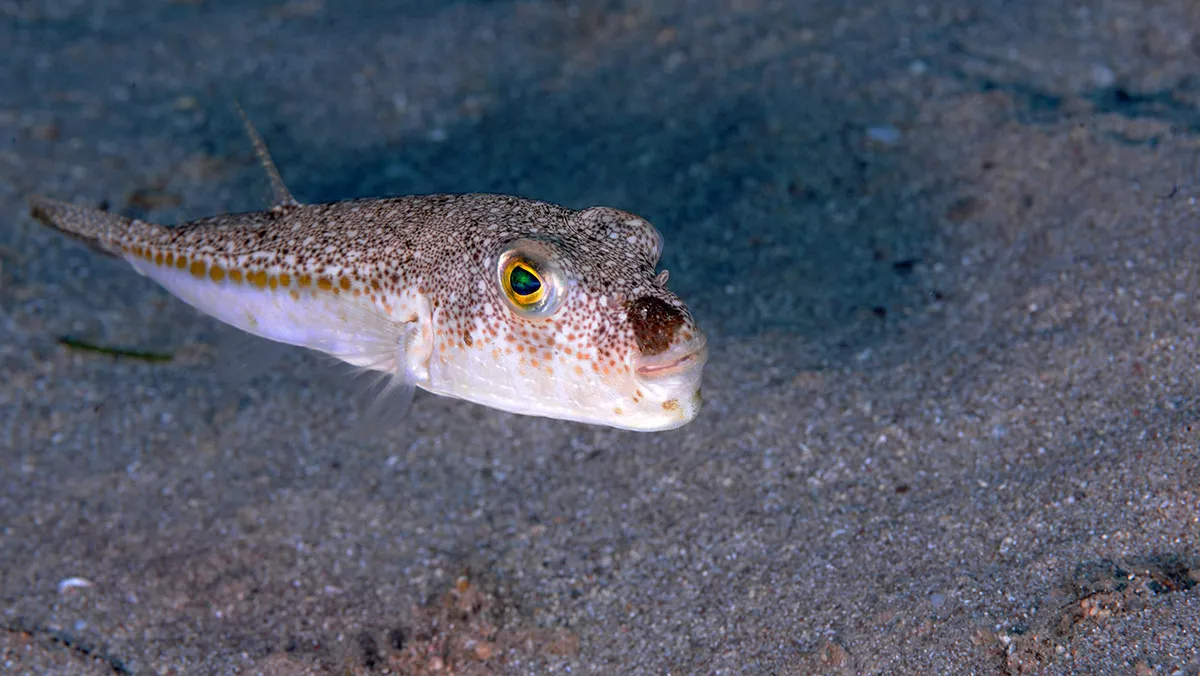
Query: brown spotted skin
x=441, y=245
x=398, y=255
x=655, y=324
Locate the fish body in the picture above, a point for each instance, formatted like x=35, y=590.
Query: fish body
x=516, y=304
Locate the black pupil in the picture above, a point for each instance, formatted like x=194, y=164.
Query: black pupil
x=523, y=281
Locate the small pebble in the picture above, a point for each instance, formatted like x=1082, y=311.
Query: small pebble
x=1103, y=76
x=67, y=584
x=886, y=135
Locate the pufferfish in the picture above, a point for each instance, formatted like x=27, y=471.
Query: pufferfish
x=516, y=304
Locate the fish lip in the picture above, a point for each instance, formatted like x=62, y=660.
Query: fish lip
x=679, y=359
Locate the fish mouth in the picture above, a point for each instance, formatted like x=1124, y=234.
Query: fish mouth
x=678, y=359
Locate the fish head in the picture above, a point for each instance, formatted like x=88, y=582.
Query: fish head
x=574, y=322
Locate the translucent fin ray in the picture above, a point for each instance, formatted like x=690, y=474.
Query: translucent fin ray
x=243, y=356
x=383, y=388
x=280, y=195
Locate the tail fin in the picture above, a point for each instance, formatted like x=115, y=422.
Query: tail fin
x=98, y=229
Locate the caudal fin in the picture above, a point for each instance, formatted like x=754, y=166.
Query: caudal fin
x=98, y=229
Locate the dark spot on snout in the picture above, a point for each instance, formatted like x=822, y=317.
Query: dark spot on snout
x=654, y=324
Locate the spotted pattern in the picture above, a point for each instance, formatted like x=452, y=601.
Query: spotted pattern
x=443, y=248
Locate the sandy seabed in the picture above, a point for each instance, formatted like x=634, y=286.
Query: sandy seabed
x=946, y=254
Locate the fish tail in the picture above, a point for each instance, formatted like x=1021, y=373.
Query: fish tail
x=101, y=230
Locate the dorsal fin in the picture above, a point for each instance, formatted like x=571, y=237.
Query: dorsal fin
x=280, y=195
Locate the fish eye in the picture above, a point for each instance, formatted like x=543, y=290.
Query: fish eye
x=523, y=284
x=530, y=281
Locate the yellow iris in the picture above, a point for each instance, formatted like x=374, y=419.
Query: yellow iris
x=523, y=284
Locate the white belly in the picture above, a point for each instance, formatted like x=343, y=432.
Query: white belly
x=352, y=329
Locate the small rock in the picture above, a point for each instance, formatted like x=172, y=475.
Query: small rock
x=884, y=135
x=1102, y=76
x=69, y=583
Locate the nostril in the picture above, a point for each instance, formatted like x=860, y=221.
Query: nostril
x=654, y=324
